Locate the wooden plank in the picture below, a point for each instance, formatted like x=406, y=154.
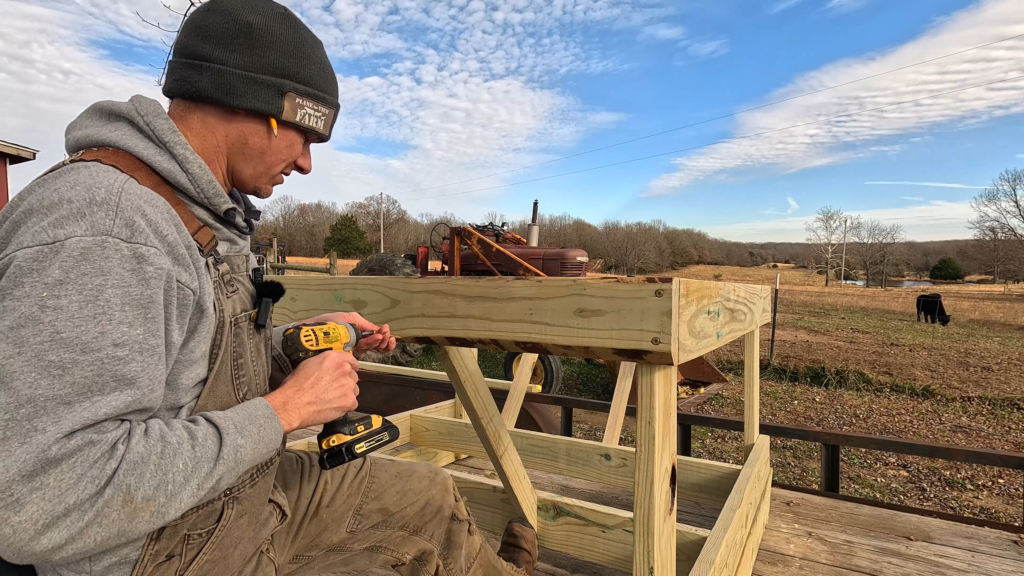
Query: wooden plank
x=592, y=532
x=437, y=375
x=520, y=384
x=711, y=314
x=745, y=566
x=623, y=383
x=698, y=480
x=478, y=404
x=751, y=389
x=654, y=507
x=610, y=318
x=722, y=552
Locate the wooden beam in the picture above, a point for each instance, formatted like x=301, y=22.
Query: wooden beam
x=437, y=375
x=697, y=480
x=751, y=389
x=614, y=318
x=654, y=506
x=750, y=548
x=722, y=554
x=593, y=532
x=623, y=383
x=520, y=385
x=478, y=404
x=711, y=314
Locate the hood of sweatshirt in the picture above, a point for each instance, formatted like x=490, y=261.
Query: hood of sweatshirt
x=142, y=127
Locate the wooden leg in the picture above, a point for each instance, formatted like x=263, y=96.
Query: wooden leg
x=654, y=509
x=516, y=393
x=623, y=382
x=478, y=404
x=751, y=389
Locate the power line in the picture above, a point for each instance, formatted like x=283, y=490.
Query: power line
x=733, y=139
x=708, y=120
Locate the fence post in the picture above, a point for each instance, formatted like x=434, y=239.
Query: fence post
x=565, y=429
x=684, y=439
x=830, y=468
x=775, y=313
x=332, y=266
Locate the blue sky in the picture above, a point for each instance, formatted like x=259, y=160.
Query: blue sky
x=435, y=93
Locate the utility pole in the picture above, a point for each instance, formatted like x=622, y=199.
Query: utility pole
x=842, y=272
x=382, y=222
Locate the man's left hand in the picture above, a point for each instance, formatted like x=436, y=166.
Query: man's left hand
x=380, y=341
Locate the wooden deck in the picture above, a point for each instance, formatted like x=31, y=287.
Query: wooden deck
x=815, y=536
x=807, y=535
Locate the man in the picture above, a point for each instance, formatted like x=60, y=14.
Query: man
x=143, y=411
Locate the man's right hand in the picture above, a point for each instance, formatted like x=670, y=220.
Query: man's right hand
x=321, y=389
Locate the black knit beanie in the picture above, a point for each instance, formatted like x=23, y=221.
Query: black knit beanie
x=254, y=55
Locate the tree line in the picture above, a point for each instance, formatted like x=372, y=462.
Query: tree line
x=875, y=250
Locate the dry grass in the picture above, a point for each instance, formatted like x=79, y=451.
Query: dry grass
x=344, y=266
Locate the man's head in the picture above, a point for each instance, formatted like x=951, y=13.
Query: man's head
x=241, y=63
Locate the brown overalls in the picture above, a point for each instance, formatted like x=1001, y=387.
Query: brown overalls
x=286, y=515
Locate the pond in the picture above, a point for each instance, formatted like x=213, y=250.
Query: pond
x=896, y=283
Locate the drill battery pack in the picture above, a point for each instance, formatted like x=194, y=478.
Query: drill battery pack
x=347, y=439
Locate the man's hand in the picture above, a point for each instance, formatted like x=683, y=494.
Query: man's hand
x=382, y=341
x=320, y=389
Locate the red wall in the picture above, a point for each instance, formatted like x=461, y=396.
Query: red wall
x=3, y=183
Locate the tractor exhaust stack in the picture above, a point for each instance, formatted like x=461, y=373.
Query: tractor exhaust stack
x=533, y=229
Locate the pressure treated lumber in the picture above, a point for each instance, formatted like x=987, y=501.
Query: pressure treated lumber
x=722, y=552
x=656, y=320
x=582, y=529
x=623, y=383
x=751, y=389
x=654, y=506
x=748, y=555
x=712, y=314
x=703, y=481
x=520, y=385
x=492, y=383
x=478, y=404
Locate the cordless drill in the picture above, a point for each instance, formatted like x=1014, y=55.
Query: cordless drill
x=346, y=438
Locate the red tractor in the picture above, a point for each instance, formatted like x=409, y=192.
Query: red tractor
x=491, y=250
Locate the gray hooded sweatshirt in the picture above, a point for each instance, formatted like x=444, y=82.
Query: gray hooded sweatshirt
x=106, y=325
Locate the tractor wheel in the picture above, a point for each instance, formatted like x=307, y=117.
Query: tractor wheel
x=389, y=265
x=547, y=372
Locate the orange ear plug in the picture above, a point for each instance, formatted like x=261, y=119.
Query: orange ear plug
x=273, y=124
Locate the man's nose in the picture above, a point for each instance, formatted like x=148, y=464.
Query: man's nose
x=304, y=163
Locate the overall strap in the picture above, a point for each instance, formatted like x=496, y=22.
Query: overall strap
x=205, y=239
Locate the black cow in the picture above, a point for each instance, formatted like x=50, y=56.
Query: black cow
x=931, y=306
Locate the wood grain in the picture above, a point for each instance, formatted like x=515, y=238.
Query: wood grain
x=654, y=507
x=614, y=318
x=751, y=389
x=588, y=531
x=520, y=385
x=623, y=383
x=723, y=551
x=703, y=481
x=478, y=404
x=712, y=314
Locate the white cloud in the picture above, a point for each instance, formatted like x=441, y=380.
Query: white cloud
x=890, y=149
x=793, y=207
x=931, y=184
x=663, y=31
x=835, y=135
x=48, y=78
x=845, y=5
x=1020, y=155
x=914, y=198
x=707, y=49
x=935, y=220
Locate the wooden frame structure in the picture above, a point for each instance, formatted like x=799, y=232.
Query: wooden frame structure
x=654, y=323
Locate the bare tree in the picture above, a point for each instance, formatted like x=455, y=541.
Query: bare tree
x=1000, y=207
x=891, y=249
x=495, y=217
x=878, y=249
x=368, y=212
x=826, y=233
x=994, y=247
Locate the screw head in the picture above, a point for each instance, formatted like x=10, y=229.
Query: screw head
x=659, y=293
x=656, y=341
